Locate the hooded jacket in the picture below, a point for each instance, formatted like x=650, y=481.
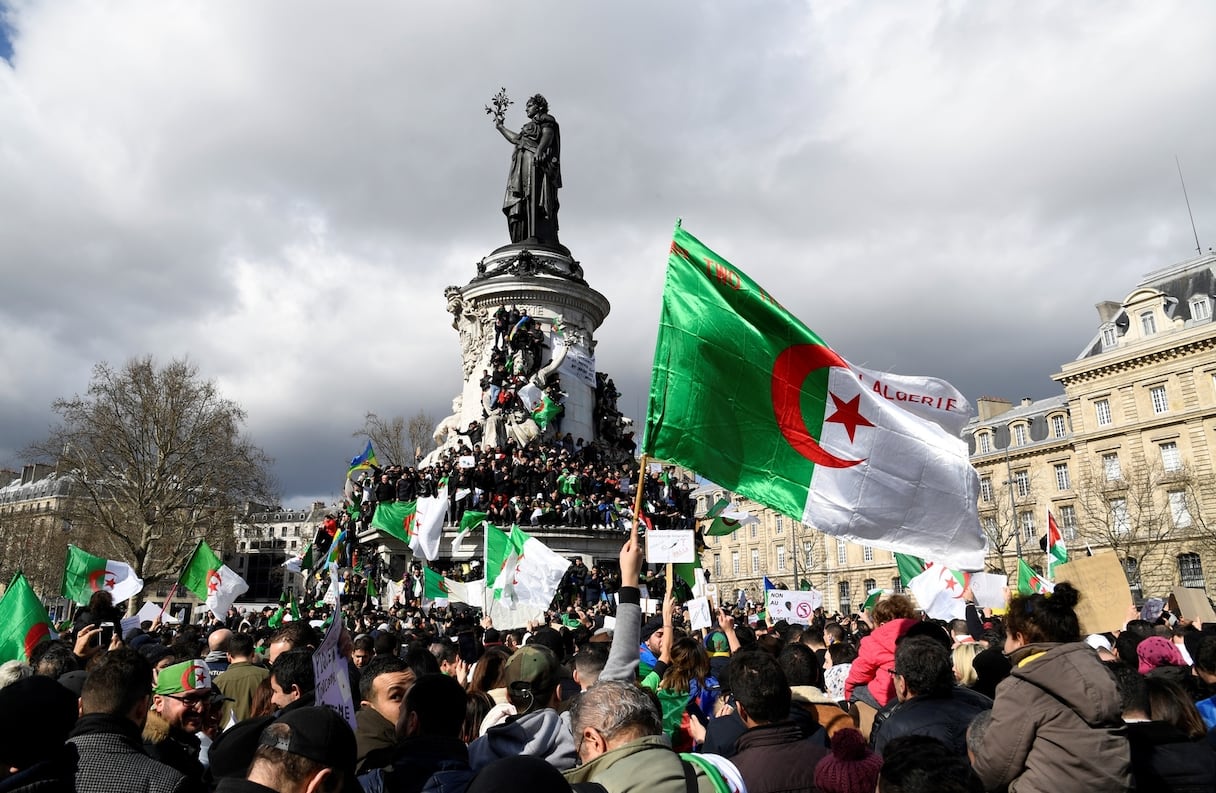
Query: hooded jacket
x=645, y=765
x=544, y=734
x=875, y=656
x=1056, y=725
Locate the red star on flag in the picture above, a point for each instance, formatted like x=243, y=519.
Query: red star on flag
x=848, y=414
x=213, y=581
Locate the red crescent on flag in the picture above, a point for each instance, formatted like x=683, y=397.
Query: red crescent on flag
x=792, y=367
x=95, y=577
x=35, y=634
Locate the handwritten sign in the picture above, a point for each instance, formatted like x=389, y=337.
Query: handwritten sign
x=333, y=678
x=698, y=613
x=797, y=607
x=1105, y=597
x=670, y=546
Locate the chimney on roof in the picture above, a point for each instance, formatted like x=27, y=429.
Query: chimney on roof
x=989, y=406
x=1108, y=310
x=1025, y=402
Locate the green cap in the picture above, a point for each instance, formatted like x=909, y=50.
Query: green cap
x=184, y=677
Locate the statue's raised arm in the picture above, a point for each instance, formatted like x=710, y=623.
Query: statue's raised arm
x=530, y=202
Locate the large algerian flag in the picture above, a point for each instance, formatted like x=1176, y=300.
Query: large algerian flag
x=1056, y=552
x=212, y=581
x=522, y=575
x=84, y=574
x=747, y=396
x=431, y=512
x=396, y=518
x=23, y=621
x=1030, y=582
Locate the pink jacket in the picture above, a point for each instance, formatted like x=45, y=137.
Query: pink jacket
x=875, y=656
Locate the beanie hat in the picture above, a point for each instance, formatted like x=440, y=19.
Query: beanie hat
x=851, y=767
x=1157, y=651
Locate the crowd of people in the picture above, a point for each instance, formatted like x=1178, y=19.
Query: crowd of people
x=605, y=698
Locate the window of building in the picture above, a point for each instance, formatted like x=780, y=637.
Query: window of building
x=1026, y=519
x=717, y=566
x=1200, y=309
x=1190, y=570
x=1062, y=479
x=1102, y=412
x=1131, y=569
x=1021, y=483
x=869, y=585
x=755, y=560
x=1148, y=323
x=294, y=544
x=897, y=585
x=1059, y=426
x=1179, y=512
x=867, y=553
x=842, y=553
x=1068, y=521
x=985, y=443
x=1161, y=403
x=1171, y=460
x=283, y=532
x=1111, y=468
x=989, y=524
x=1019, y=435
x=734, y=563
x=808, y=553
x=752, y=528
x=842, y=590
x=1109, y=339
x=780, y=524
x=781, y=558
x=986, y=490
x=1120, y=521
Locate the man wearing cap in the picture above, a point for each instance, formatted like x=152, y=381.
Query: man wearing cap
x=532, y=675
x=308, y=749
x=179, y=703
x=652, y=644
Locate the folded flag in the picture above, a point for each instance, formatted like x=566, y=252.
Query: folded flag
x=747, y=396
x=873, y=597
x=1030, y=582
x=23, y=621
x=84, y=574
x=212, y=581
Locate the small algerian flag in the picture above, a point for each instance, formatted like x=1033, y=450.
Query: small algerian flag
x=23, y=621
x=396, y=518
x=909, y=567
x=546, y=411
x=84, y=574
x=372, y=592
x=1030, y=582
x=873, y=597
x=212, y=581
x=470, y=520
x=751, y=399
x=729, y=523
x=1056, y=552
x=434, y=586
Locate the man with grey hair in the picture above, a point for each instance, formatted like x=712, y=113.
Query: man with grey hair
x=618, y=734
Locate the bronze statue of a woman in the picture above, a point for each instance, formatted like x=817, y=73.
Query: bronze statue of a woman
x=530, y=203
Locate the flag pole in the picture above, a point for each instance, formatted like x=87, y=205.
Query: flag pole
x=637, y=499
x=163, y=608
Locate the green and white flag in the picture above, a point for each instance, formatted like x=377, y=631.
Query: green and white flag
x=747, y=396
x=84, y=574
x=431, y=512
x=23, y=621
x=523, y=575
x=442, y=590
x=212, y=581
x=396, y=518
x=1030, y=582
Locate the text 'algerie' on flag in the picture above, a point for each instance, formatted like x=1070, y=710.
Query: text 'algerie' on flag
x=212, y=581
x=747, y=396
x=23, y=621
x=85, y=574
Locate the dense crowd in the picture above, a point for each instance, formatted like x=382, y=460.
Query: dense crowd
x=604, y=698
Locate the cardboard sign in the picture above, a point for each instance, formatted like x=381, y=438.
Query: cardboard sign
x=333, y=678
x=670, y=546
x=797, y=607
x=1192, y=604
x=1105, y=596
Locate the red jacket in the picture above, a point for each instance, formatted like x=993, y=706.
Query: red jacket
x=875, y=657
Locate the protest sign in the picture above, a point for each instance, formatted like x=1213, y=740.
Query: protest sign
x=791, y=606
x=1105, y=597
x=670, y=546
x=332, y=676
x=1192, y=604
x=698, y=613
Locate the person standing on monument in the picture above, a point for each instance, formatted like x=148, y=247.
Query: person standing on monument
x=530, y=203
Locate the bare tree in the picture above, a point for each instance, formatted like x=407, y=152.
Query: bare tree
x=421, y=433
x=35, y=542
x=1133, y=514
x=388, y=439
x=1001, y=519
x=157, y=461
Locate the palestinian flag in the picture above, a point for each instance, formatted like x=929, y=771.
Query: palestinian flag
x=1056, y=552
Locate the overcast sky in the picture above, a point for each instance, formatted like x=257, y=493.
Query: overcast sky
x=281, y=190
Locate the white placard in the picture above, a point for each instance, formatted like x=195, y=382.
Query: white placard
x=466, y=461
x=792, y=606
x=579, y=365
x=698, y=613
x=332, y=677
x=711, y=594
x=670, y=546
x=609, y=623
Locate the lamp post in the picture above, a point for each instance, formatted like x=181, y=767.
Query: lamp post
x=1013, y=512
